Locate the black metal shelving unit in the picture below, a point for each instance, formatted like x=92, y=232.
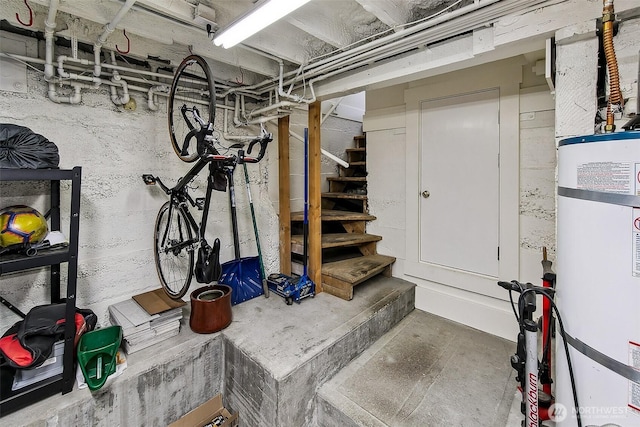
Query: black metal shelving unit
x=63, y=383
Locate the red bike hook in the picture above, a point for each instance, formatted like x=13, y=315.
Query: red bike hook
x=26, y=24
x=124, y=52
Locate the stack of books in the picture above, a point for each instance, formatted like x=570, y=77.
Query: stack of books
x=141, y=329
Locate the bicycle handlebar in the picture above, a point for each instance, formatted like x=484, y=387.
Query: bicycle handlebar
x=264, y=141
x=516, y=286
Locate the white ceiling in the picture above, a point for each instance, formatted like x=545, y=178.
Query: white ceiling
x=170, y=29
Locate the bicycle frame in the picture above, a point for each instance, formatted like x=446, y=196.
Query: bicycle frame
x=177, y=234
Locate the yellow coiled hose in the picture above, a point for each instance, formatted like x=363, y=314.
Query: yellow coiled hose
x=615, y=95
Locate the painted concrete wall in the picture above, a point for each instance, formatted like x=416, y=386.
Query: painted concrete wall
x=544, y=118
x=336, y=134
x=115, y=147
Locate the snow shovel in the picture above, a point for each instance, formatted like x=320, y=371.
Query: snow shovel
x=265, y=288
x=241, y=274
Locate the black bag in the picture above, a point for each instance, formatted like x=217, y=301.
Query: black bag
x=218, y=179
x=208, y=263
x=29, y=342
x=21, y=148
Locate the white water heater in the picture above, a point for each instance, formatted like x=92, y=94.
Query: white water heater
x=598, y=279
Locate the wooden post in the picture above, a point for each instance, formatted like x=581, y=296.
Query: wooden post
x=315, y=225
x=284, y=195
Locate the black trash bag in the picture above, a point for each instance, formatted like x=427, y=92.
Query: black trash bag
x=29, y=342
x=208, y=267
x=21, y=148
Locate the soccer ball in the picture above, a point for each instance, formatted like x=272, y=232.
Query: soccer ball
x=21, y=225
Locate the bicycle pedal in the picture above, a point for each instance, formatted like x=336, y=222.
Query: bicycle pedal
x=200, y=203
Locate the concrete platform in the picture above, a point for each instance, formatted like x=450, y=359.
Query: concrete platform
x=268, y=364
x=276, y=355
x=427, y=371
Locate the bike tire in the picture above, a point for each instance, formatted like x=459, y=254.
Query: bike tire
x=192, y=86
x=174, y=266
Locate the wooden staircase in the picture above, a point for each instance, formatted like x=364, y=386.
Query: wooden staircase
x=349, y=255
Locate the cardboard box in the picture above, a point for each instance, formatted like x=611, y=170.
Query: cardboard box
x=157, y=301
x=203, y=414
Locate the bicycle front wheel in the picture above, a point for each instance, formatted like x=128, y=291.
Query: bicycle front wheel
x=192, y=91
x=173, y=250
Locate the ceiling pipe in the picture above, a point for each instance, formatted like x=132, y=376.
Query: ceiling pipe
x=336, y=60
x=151, y=96
x=364, y=52
x=118, y=100
x=402, y=33
x=72, y=99
x=334, y=105
x=49, y=28
x=410, y=38
x=108, y=29
x=322, y=150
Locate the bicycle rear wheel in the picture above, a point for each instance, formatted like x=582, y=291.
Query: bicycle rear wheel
x=173, y=251
x=192, y=90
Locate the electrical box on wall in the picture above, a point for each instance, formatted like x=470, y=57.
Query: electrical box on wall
x=13, y=74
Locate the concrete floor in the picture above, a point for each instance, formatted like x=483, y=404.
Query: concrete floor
x=372, y=361
x=427, y=371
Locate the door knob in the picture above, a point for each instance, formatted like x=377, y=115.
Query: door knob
x=426, y=194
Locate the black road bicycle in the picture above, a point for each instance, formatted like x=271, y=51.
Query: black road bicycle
x=177, y=234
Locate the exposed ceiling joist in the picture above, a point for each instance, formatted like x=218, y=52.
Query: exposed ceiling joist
x=392, y=12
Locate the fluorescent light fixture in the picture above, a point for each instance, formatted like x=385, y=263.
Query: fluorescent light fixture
x=261, y=17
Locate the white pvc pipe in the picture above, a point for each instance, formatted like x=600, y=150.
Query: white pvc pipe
x=225, y=127
x=108, y=29
x=116, y=79
x=72, y=99
x=151, y=103
x=406, y=39
x=331, y=110
x=62, y=59
x=322, y=150
x=49, y=28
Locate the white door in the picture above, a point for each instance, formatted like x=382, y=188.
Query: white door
x=459, y=216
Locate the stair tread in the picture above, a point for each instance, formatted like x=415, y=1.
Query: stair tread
x=356, y=150
x=334, y=240
x=345, y=196
x=357, y=270
x=347, y=178
x=336, y=215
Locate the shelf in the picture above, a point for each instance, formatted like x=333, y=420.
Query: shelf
x=24, y=396
x=37, y=174
x=62, y=383
x=16, y=262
